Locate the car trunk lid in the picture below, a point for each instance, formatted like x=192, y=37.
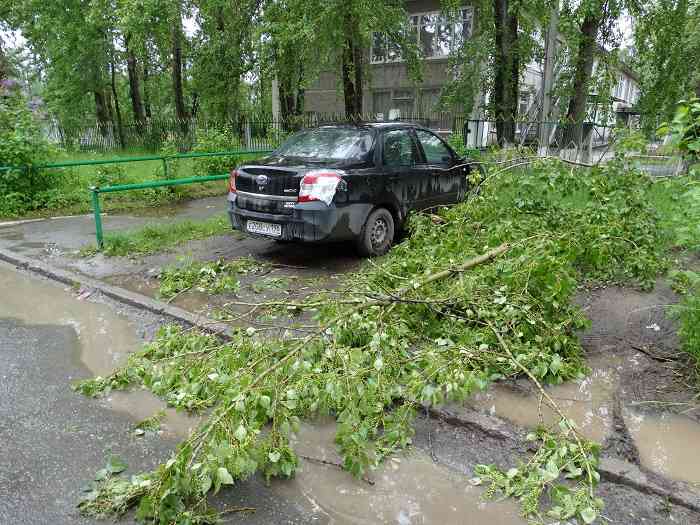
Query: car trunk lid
x=269, y=181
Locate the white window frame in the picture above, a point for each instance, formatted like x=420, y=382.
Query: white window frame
x=416, y=22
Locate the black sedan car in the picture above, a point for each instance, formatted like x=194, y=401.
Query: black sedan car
x=346, y=182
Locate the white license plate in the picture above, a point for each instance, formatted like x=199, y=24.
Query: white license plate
x=264, y=228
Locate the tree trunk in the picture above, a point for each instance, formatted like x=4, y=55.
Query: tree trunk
x=134, y=86
x=506, y=89
x=178, y=94
x=120, y=128
x=352, y=78
x=352, y=67
x=576, y=113
x=4, y=68
x=146, y=95
x=101, y=113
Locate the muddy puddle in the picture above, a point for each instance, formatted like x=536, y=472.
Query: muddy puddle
x=667, y=444
x=408, y=489
x=105, y=337
x=142, y=404
x=588, y=402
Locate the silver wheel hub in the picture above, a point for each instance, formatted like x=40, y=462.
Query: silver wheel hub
x=378, y=233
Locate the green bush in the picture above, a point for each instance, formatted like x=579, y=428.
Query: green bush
x=684, y=129
x=21, y=144
x=109, y=175
x=215, y=140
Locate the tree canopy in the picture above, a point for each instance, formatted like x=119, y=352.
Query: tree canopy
x=133, y=60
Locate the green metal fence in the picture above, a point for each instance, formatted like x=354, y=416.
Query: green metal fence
x=97, y=191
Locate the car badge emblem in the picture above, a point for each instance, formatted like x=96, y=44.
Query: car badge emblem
x=262, y=180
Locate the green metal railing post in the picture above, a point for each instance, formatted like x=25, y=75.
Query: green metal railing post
x=98, y=218
x=96, y=191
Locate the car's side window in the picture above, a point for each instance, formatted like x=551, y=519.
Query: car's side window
x=398, y=149
x=435, y=150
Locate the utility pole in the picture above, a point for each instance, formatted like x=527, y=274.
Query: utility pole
x=550, y=49
x=275, y=101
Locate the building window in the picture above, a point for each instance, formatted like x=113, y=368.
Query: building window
x=436, y=36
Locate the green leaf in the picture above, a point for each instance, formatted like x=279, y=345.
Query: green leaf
x=224, y=477
x=274, y=456
x=115, y=465
x=378, y=363
x=264, y=401
x=240, y=433
x=589, y=515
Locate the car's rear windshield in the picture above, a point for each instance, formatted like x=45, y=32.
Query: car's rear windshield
x=329, y=143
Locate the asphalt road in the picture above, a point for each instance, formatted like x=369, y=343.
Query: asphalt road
x=53, y=440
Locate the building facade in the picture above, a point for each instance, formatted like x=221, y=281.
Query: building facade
x=390, y=93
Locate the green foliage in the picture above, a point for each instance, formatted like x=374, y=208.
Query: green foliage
x=110, y=496
x=150, y=424
x=687, y=313
x=558, y=456
x=684, y=129
x=410, y=340
x=209, y=277
x=110, y=175
x=216, y=140
x=152, y=239
x=21, y=144
x=269, y=283
x=667, y=45
x=677, y=201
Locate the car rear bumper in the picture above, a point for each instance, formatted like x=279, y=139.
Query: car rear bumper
x=308, y=222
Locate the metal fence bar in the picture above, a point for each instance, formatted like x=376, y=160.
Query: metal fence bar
x=96, y=191
x=144, y=158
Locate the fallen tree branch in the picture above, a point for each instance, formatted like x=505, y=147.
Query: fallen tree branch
x=550, y=402
x=201, y=438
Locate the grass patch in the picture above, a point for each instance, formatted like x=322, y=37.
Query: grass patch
x=66, y=189
x=209, y=277
x=677, y=201
x=687, y=313
x=158, y=238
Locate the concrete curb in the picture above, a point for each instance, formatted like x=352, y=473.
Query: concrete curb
x=121, y=295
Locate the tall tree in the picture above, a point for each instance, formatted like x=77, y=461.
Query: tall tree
x=667, y=45
x=593, y=13
x=134, y=83
x=177, y=38
x=352, y=64
x=337, y=34
x=224, y=53
x=4, y=64
x=506, y=85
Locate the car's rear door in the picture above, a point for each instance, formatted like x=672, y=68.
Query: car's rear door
x=400, y=162
x=441, y=164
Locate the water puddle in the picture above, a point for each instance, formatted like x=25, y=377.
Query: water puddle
x=587, y=402
x=105, y=336
x=142, y=404
x=667, y=443
x=409, y=489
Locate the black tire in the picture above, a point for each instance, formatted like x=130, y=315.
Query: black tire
x=377, y=234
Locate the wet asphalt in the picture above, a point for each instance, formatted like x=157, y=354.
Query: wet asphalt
x=53, y=440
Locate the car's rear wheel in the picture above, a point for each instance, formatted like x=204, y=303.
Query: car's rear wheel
x=377, y=233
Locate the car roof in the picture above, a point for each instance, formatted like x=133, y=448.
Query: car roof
x=379, y=124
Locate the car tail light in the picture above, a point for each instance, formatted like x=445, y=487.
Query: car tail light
x=232, y=181
x=319, y=185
